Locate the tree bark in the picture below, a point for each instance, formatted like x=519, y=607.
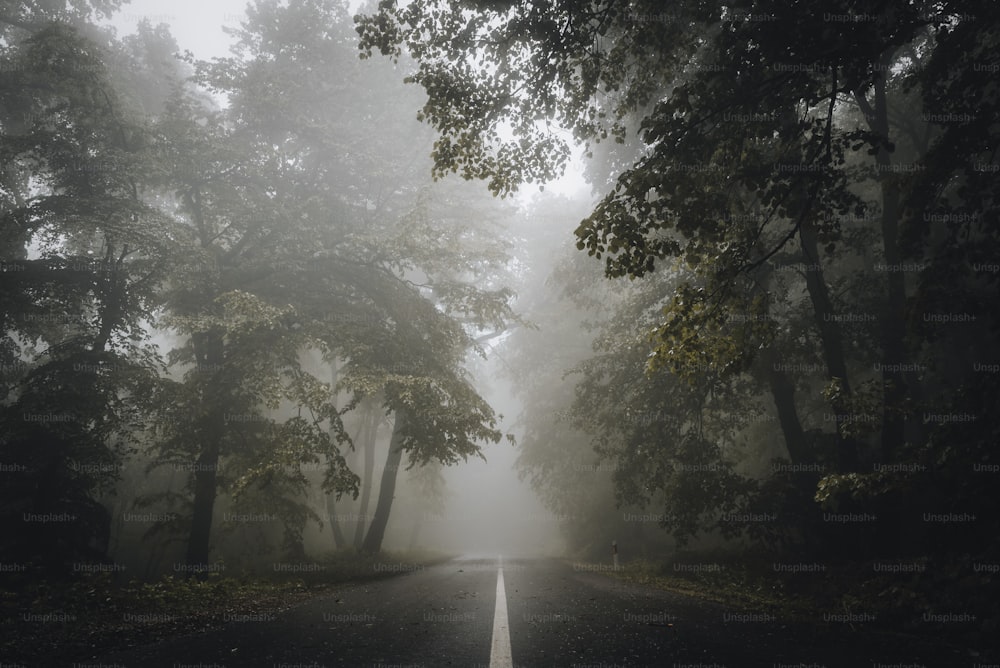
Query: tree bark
x=892, y=325
x=830, y=339
x=339, y=540
x=208, y=351
x=783, y=393
x=387, y=489
x=368, y=448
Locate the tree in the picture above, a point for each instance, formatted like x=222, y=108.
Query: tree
x=572, y=310
x=17, y=19
x=83, y=264
x=753, y=157
x=299, y=237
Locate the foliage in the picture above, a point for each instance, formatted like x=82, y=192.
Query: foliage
x=84, y=267
x=250, y=238
x=796, y=191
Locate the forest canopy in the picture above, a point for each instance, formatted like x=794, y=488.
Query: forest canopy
x=228, y=284
x=803, y=196
x=203, y=301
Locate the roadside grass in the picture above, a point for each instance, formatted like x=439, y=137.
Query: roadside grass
x=92, y=614
x=743, y=585
x=913, y=596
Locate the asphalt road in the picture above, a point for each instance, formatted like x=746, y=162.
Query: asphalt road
x=557, y=614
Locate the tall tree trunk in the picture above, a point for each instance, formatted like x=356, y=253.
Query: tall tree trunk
x=205, y=485
x=208, y=351
x=892, y=325
x=830, y=339
x=372, y=419
x=339, y=540
x=387, y=489
x=783, y=393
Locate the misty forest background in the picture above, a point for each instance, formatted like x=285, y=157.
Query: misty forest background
x=238, y=311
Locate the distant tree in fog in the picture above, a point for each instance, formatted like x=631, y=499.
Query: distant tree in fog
x=298, y=219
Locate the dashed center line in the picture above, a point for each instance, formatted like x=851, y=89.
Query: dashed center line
x=500, y=656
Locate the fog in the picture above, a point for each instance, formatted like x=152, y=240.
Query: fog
x=199, y=27
x=487, y=509
x=307, y=293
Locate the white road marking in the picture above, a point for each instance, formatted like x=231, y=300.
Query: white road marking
x=500, y=653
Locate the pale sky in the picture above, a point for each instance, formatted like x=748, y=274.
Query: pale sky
x=197, y=25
